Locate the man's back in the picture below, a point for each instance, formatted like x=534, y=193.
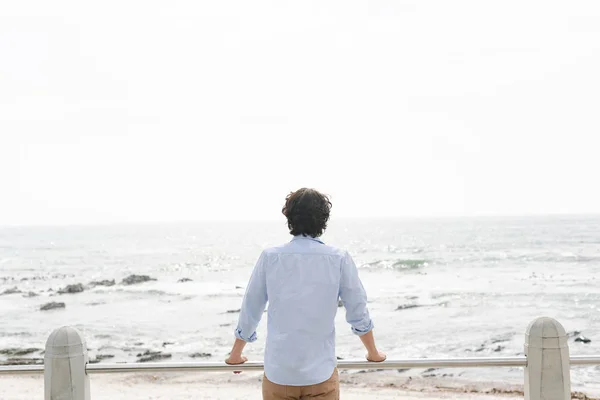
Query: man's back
x=302, y=281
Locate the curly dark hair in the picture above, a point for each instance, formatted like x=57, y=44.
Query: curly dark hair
x=307, y=212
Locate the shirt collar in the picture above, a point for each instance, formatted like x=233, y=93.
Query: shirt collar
x=301, y=237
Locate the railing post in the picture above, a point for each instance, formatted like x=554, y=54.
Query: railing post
x=547, y=374
x=65, y=360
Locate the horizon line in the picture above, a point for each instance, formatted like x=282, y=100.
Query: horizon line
x=282, y=220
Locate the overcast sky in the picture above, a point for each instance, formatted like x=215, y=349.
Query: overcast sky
x=183, y=110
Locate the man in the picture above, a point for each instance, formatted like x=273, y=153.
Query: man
x=302, y=280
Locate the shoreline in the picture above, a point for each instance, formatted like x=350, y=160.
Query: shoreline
x=222, y=385
x=162, y=386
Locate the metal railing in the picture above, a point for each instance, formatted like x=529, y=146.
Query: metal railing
x=474, y=362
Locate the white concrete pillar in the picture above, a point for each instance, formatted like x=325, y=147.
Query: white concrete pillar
x=548, y=374
x=64, y=366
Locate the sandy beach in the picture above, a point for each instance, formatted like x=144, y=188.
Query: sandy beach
x=246, y=386
x=212, y=386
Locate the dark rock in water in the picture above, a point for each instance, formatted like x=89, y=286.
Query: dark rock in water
x=104, y=282
x=14, y=290
x=504, y=337
x=165, y=344
x=101, y=357
x=407, y=306
x=403, y=370
x=225, y=324
x=428, y=370
x=233, y=311
x=33, y=278
x=340, y=358
x=70, y=289
x=12, y=352
x=492, y=344
x=148, y=356
x=200, y=355
x=582, y=339
x=134, y=279
x=340, y=303
x=573, y=334
x=30, y=294
x=102, y=336
x=23, y=361
x=52, y=305
x=239, y=287
x=185, y=280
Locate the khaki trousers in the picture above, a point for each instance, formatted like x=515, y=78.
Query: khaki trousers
x=328, y=390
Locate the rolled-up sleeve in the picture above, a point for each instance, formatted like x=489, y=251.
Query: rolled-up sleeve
x=354, y=297
x=253, y=305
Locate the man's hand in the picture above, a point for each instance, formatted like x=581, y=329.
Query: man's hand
x=236, y=359
x=376, y=357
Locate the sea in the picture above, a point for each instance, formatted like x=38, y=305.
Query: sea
x=438, y=287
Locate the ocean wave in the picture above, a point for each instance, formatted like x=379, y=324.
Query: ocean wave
x=225, y=295
x=548, y=257
x=398, y=264
x=560, y=258
x=152, y=292
x=15, y=334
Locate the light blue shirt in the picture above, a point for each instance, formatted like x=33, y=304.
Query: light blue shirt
x=302, y=281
